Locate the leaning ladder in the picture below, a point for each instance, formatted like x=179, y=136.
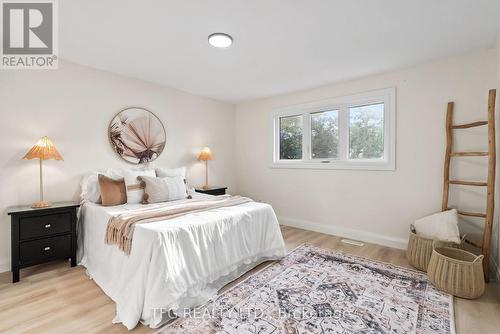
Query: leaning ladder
x=490, y=183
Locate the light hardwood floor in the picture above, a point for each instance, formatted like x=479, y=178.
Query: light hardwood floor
x=55, y=298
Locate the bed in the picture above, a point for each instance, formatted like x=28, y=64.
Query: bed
x=175, y=264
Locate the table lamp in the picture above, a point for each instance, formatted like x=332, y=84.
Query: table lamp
x=206, y=155
x=44, y=149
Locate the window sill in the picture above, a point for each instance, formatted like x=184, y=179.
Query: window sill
x=373, y=166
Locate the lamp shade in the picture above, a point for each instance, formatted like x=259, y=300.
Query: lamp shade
x=44, y=149
x=205, y=154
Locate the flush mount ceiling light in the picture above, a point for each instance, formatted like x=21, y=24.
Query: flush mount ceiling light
x=220, y=40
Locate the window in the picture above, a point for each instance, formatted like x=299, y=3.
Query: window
x=291, y=137
x=366, y=131
x=325, y=134
x=351, y=132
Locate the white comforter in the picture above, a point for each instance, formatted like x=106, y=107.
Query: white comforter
x=177, y=263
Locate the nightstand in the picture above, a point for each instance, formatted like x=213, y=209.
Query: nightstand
x=212, y=190
x=42, y=235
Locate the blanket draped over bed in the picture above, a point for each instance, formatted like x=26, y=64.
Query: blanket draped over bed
x=120, y=228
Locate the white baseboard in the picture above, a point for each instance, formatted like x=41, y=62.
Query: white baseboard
x=4, y=265
x=370, y=237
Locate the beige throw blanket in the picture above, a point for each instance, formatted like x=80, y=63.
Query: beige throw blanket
x=121, y=227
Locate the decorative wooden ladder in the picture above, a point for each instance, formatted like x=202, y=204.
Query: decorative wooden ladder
x=490, y=183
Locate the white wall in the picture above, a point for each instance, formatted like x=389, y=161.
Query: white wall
x=73, y=106
x=376, y=206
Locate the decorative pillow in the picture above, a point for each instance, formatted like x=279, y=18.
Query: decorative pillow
x=135, y=187
x=90, y=190
x=171, y=172
x=163, y=189
x=113, y=192
x=441, y=226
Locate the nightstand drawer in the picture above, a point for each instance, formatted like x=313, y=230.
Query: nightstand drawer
x=40, y=226
x=45, y=249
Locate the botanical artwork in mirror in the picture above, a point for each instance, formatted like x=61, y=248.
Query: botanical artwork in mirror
x=137, y=135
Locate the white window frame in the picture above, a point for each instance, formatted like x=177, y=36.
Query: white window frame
x=342, y=104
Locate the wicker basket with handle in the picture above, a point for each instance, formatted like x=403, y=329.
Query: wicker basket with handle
x=420, y=248
x=456, y=271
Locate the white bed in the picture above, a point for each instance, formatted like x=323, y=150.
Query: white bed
x=177, y=263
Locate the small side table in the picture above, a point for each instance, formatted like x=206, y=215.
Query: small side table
x=213, y=190
x=42, y=235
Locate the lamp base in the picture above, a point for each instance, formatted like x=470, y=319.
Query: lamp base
x=41, y=204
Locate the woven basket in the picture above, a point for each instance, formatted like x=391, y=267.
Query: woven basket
x=457, y=272
x=419, y=249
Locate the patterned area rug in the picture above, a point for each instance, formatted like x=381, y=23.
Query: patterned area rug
x=313, y=290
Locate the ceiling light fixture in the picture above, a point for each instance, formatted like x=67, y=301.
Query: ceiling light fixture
x=220, y=40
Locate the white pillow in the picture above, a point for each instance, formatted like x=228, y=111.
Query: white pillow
x=163, y=189
x=171, y=172
x=135, y=188
x=441, y=226
x=89, y=185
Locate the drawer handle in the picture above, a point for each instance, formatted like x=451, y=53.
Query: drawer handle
x=48, y=226
x=46, y=248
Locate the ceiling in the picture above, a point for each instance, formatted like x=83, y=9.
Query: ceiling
x=279, y=45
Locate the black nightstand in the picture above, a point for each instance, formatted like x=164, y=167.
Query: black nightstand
x=212, y=190
x=42, y=235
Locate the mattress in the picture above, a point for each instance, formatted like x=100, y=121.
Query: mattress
x=175, y=264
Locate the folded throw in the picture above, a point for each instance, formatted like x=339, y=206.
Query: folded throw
x=120, y=228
